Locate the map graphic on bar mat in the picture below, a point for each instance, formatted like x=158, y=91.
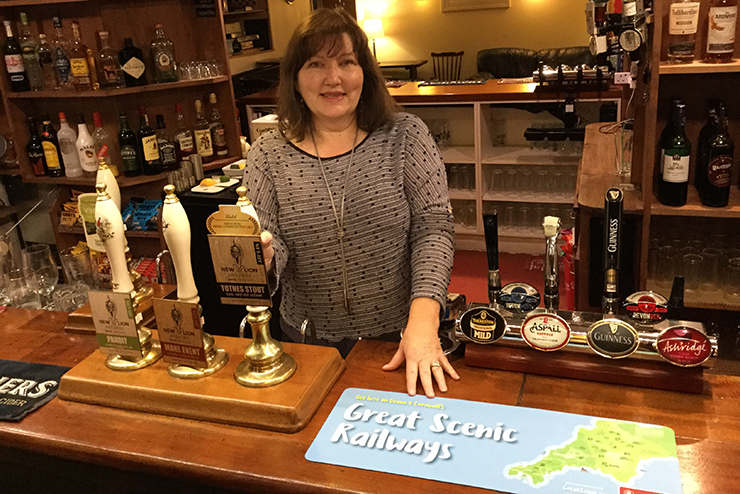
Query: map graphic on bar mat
x=506, y=448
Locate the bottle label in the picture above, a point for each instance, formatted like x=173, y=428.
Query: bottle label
x=68, y=145
x=186, y=143
x=128, y=157
x=719, y=170
x=51, y=155
x=134, y=67
x=219, y=136
x=167, y=153
x=62, y=64
x=721, y=33
x=164, y=61
x=150, y=148
x=37, y=163
x=675, y=168
x=88, y=160
x=203, y=141
x=684, y=18
x=14, y=64
x=80, y=68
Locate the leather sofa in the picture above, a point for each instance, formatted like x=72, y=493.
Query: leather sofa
x=496, y=63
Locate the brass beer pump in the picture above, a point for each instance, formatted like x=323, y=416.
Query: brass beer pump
x=176, y=231
x=111, y=232
x=265, y=363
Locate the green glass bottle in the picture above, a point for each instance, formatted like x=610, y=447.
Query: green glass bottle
x=673, y=180
x=720, y=154
x=129, y=147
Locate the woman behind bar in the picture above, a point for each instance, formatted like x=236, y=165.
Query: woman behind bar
x=353, y=202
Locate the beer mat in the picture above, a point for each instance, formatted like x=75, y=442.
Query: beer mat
x=24, y=387
x=503, y=448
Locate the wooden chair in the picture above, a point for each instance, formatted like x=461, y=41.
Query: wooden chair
x=447, y=65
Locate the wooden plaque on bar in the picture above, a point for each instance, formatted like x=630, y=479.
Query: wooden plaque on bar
x=286, y=407
x=630, y=372
x=81, y=322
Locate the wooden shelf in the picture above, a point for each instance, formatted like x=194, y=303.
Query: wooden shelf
x=26, y=3
x=699, y=68
x=694, y=207
x=521, y=155
x=526, y=198
x=462, y=195
x=124, y=181
x=10, y=171
x=701, y=299
x=246, y=52
x=77, y=230
x=458, y=154
x=243, y=13
x=107, y=93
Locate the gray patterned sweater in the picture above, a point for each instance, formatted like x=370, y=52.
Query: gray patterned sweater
x=398, y=228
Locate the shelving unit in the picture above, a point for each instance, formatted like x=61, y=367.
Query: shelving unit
x=195, y=38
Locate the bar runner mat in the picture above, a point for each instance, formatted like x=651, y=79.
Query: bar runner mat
x=24, y=387
x=505, y=448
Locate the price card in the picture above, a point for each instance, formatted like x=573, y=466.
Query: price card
x=240, y=272
x=180, y=332
x=116, y=323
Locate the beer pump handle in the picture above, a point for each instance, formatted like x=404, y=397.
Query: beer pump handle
x=110, y=230
x=613, y=205
x=176, y=231
x=490, y=229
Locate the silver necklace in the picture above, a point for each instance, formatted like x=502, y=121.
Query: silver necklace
x=339, y=217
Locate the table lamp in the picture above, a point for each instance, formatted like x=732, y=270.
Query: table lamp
x=374, y=29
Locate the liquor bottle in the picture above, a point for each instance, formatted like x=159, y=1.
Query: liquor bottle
x=673, y=182
x=148, y=142
x=94, y=82
x=132, y=64
x=86, y=149
x=29, y=47
x=78, y=60
x=722, y=19
x=14, y=61
x=53, y=162
x=183, y=136
x=166, y=146
x=111, y=74
x=702, y=155
x=46, y=64
x=202, y=133
x=60, y=45
x=35, y=149
x=720, y=150
x=218, y=132
x=101, y=137
x=163, y=54
x=683, y=21
x=68, y=145
x=129, y=148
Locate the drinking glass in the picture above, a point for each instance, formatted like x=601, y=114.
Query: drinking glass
x=668, y=259
x=20, y=292
x=527, y=182
x=76, y=265
x=69, y=298
x=497, y=180
x=713, y=260
x=731, y=280
x=692, y=267
x=39, y=265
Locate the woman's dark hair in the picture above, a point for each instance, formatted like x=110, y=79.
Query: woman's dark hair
x=376, y=106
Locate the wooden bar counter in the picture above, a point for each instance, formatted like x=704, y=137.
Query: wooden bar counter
x=70, y=447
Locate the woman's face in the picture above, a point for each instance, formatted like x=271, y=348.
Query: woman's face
x=331, y=85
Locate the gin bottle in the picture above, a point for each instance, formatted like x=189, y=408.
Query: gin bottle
x=60, y=46
x=111, y=75
x=46, y=64
x=163, y=54
x=132, y=63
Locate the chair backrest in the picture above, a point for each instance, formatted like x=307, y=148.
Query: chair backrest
x=447, y=65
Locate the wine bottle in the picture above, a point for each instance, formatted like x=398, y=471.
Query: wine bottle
x=722, y=19
x=702, y=155
x=132, y=64
x=166, y=146
x=202, y=134
x=14, y=61
x=35, y=149
x=148, y=142
x=673, y=181
x=720, y=151
x=129, y=148
x=53, y=162
x=682, y=24
x=218, y=132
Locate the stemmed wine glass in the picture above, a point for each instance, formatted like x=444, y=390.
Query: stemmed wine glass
x=39, y=265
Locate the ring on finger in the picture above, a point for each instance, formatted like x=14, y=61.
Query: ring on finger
x=436, y=364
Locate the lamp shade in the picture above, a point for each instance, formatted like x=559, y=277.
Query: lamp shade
x=373, y=28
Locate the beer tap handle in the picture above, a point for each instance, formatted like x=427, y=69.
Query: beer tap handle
x=551, y=226
x=490, y=229
x=176, y=231
x=110, y=230
x=613, y=205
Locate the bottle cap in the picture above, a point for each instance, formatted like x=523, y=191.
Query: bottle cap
x=178, y=108
x=158, y=26
x=97, y=119
x=24, y=19
x=57, y=20
x=62, y=117
x=212, y=98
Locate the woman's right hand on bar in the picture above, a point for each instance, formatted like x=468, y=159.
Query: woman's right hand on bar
x=267, y=250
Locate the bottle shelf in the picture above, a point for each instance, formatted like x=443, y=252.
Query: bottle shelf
x=462, y=194
x=10, y=171
x=458, y=154
x=694, y=206
x=107, y=93
x=528, y=198
x=124, y=181
x=26, y=3
x=522, y=155
x=699, y=68
x=77, y=230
